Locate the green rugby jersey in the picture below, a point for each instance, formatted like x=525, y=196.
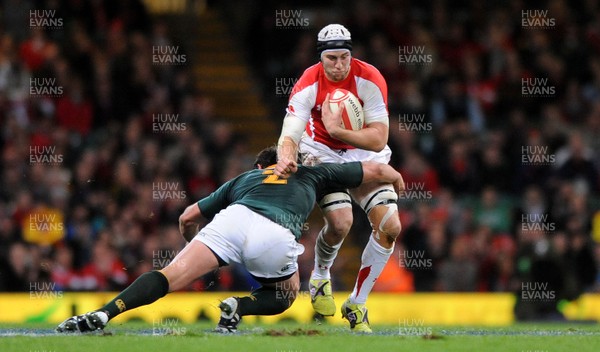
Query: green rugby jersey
x=288, y=202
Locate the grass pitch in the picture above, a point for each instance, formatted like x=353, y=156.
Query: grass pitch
x=175, y=336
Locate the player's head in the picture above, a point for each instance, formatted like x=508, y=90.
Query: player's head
x=334, y=37
x=266, y=157
x=334, y=45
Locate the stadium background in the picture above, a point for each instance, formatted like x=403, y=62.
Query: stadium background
x=117, y=114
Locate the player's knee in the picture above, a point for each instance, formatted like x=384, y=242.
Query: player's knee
x=386, y=222
x=337, y=228
x=392, y=228
x=341, y=225
x=337, y=207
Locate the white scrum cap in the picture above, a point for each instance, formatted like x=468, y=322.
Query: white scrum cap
x=334, y=37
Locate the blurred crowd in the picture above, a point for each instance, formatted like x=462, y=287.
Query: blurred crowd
x=504, y=185
x=102, y=144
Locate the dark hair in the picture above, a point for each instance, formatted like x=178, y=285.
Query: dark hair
x=266, y=157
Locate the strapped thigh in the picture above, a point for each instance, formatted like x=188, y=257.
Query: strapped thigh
x=384, y=195
x=335, y=200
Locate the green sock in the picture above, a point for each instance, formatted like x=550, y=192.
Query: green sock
x=265, y=301
x=146, y=289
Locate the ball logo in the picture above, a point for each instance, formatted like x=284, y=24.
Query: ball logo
x=352, y=115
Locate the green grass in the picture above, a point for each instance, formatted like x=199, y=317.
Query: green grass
x=304, y=337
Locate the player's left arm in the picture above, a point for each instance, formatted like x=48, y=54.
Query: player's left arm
x=208, y=207
x=373, y=137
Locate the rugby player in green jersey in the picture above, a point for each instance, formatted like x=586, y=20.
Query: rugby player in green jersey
x=256, y=220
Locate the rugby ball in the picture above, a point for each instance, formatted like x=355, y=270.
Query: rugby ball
x=353, y=117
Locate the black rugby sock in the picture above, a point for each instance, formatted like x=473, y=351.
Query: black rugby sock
x=146, y=289
x=265, y=301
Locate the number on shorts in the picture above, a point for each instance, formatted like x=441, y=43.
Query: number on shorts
x=272, y=178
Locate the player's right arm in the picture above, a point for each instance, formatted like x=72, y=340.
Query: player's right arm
x=302, y=100
x=291, y=132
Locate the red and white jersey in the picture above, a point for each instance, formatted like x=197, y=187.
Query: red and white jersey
x=364, y=81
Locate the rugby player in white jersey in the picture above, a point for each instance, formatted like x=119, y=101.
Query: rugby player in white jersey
x=310, y=128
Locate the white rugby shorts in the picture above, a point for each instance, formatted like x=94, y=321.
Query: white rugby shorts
x=323, y=154
x=267, y=249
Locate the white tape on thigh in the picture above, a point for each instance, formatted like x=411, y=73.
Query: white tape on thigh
x=382, y=196
x=337, y=200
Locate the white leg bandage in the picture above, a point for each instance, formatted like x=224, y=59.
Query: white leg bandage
x=384, y=195
x=337, y=200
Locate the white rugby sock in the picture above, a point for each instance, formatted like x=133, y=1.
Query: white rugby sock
x=324, y=257
x=373, y=260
